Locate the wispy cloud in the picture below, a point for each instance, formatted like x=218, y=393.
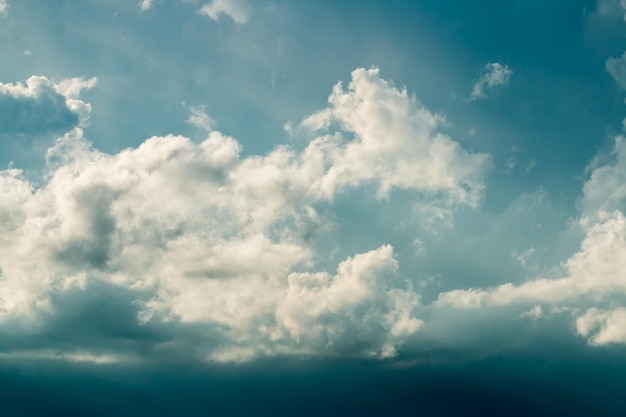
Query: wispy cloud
x=4, y=8
x=146, y=5
x=200, y=119
x=494, y=75
x=235, y=9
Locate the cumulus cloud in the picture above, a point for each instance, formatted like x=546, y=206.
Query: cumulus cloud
x=223, y=242
x=398, y=143
x=40, y=105
x=194, y=226
x=603, y=326
x=4, y=8
x=235, y=9
x=494, y=75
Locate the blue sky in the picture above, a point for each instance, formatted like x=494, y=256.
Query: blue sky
x=402, y=201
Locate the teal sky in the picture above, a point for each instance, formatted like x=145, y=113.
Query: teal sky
x=331, y=188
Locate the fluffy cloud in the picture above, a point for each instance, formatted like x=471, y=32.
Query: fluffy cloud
x=213, y=238
x=605, y=191
x=235, y=9
x=223, y=242
x=4, y=8
x=495, y=75
x=603, y=326
x=40, y=105
x=397, y=144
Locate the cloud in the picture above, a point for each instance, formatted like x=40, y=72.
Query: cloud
x=235, y=9
x=592, y=277
x=224, y=243
x=194, y=226
x=4, y=8
x=40, y=105
x=617, y=68
x=603, y=326
x=146, y=5
x=200, y=119
x=398, y=144
x=596, y=270
x=495, y=75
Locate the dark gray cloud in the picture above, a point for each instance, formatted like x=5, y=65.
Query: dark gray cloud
x=558, y=385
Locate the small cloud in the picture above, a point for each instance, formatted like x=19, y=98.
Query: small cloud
x=233, y=8
x=495, y=75
x=28, y=52
x=523, y=257
x=146, y=5
x=4, y=8
x=535, y=313
x=200, y=119
x=419, y=249
x=617, y=68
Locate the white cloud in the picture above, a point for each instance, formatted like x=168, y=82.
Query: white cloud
x=617, y=68
x=212, y=239
x=605, y=191
x=397, y=144
x=235, y=9
x=495, y=75
x=603, y=326
x=596, y=270
x=146, y=5
x=200, y=119
x=4, y=8
x=358, y=298
x=197, y=227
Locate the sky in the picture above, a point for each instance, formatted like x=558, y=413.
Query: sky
x=272, y=207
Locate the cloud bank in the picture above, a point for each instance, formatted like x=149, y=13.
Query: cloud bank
x=205, y=239
x=214, y=240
